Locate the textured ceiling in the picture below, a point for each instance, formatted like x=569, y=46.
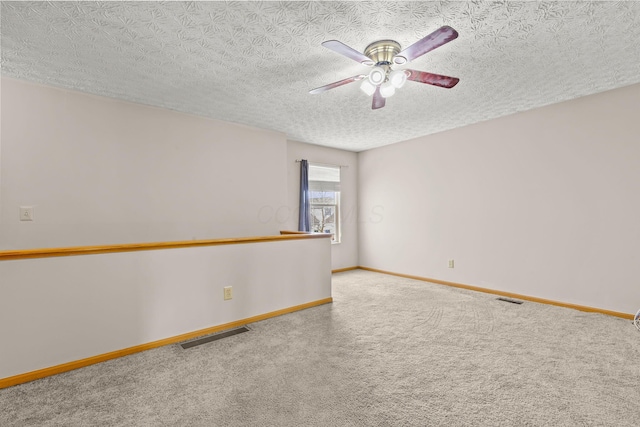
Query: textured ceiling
x=254, y=62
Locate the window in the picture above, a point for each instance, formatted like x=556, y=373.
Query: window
x=324, y=200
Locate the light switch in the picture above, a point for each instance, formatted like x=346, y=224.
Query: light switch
x=26, y=213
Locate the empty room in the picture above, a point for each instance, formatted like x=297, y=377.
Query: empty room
x=342, y=213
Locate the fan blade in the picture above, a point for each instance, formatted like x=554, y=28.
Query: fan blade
x=345, y=50
x=378, y=100
x=436, y=39
x=432, y=79
x=336, y=84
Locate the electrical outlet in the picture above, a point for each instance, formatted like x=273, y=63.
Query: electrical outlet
x=450, y=263
x=26, y=213
x=228, y=292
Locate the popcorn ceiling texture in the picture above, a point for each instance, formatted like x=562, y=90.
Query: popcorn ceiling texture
x=254, y=62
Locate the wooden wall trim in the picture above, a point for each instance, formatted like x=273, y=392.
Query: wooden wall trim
x=340, y=270
x=506, y=294
x=130, y=247
x=46, y=372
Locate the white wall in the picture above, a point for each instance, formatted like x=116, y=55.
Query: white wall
x=345, y=253
x=543, y=203
x=101, y=171
x=0, y=159
x=59, y=310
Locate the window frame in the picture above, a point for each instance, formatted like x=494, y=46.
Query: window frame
x=336, y=237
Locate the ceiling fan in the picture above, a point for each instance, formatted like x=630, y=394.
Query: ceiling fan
x=382, y=81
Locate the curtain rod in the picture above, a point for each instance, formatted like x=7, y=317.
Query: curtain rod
x=323, y=164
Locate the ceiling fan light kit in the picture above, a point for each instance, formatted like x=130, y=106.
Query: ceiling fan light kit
x=382, y=81
x=398, y=78
x=367, y=87
x=387, y=89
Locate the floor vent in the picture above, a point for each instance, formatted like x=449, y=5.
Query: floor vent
x=214, y=337
x=512, y=301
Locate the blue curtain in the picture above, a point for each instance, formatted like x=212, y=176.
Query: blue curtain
x=303, y=220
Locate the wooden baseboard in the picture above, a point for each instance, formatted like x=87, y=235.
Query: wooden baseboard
x=506, y=294
x=46, y=372
x=340, y=270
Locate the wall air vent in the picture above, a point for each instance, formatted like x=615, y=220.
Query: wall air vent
x=214, y=337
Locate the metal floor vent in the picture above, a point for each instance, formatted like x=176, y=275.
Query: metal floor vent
x=214, y=337
x=512, y=301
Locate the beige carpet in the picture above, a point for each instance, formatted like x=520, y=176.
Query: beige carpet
x=387, y=352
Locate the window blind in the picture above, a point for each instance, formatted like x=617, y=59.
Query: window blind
x=324, y=178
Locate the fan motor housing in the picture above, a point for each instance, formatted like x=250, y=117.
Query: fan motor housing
x=382, y=51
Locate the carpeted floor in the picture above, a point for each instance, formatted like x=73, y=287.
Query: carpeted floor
x=388, y=352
